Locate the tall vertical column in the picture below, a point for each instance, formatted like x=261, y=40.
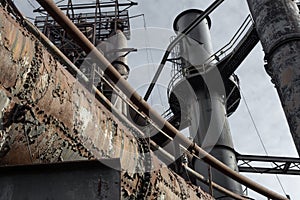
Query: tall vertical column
x=278, y=26
x=115, y=50
x=210, y=130
x=202, y=97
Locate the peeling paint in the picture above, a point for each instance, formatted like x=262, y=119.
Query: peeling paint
x=4, y=101
x=85, y=117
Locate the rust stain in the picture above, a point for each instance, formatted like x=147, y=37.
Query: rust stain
x=287, y=76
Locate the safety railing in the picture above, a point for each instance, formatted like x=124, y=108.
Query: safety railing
x=180, y=71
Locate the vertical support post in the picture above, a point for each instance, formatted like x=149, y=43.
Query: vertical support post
x=278, y=27
x=210, y=181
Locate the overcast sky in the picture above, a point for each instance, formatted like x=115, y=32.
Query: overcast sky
x=259, y=92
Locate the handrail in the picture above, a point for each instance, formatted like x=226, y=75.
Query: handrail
x=182, y=35
x=178, y=73
x=234, y=39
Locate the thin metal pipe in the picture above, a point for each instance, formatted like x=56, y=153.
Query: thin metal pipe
x=71, y=67
x=53, y=49
x=213, y=184
x=124, y=86
x=167, y=156
x=179, y=37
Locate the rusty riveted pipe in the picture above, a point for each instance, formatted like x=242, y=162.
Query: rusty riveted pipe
x=124, y=86
x=278, y=28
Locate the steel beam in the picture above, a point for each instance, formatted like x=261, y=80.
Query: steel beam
x=232, y=61
x=268, y=164
x=91, y=6
x=278, y=27
x=70, y=180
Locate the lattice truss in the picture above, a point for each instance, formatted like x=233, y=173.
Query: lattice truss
x=96, y=20
x=268, y=165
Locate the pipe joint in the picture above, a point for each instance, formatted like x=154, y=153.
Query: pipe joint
x=280, y=42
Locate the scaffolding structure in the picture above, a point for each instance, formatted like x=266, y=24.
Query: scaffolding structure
x=98, y=21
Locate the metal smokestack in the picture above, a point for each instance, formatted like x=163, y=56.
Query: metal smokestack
x=278, y=27
x=201, y=95
x=114, y=49
x=196, y=48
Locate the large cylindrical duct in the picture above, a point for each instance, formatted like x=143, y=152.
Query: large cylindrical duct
x=196, y=47
x=117, y=54
x=201, y=95
x=114, y=49
x=278, y=28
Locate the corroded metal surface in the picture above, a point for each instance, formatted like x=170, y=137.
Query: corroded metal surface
x=164, y=184
x=47, y=116
x=278, y=27
x=48, y=113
